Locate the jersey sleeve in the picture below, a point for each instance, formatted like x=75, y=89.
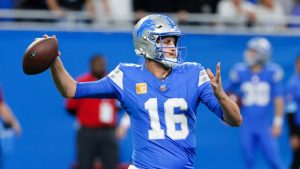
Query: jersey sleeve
x=111, y=86
x=277, y=76
x=206, y=94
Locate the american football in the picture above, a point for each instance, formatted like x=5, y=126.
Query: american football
x=39, y=55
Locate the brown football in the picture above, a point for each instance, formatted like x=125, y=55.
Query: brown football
x=39, y=55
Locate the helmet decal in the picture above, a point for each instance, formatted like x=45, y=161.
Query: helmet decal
x=171, y=22
x=147, y=24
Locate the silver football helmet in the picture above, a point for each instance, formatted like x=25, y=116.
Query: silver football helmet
x=258, y=51
x=147, y=35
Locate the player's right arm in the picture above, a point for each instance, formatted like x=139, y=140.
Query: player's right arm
x=107, y=87
x=277, y=93
x=230, y=110
x=62, y=79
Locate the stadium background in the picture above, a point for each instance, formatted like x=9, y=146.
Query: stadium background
x=48, y=132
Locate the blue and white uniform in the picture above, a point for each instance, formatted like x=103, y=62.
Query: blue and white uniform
x=257, y=92
x=293, y=97
x=162, y=112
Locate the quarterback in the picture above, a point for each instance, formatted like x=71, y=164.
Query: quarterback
x=161, y=96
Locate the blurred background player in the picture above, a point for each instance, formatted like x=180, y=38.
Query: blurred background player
x=293, y=113
x=9, y=121
x=96, y=137
x=257, y=82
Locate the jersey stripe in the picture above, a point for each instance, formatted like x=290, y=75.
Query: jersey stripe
x=117, y=77
x=203, y=77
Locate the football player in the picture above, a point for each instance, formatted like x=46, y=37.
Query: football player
x=257, y=83
x=9, y=121
x=160, y=96
x=293, y=113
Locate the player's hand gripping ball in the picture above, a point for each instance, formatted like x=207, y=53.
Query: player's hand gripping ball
x=40, y=54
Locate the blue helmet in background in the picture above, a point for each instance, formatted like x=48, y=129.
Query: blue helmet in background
x=149, y=31
x=258, y=52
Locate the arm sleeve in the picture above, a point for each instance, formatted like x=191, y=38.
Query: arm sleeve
x=103, y=88
x=111, y=86
x=206, y=93
x=208, y=98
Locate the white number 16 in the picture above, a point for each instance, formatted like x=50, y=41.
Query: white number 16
x=171, y=119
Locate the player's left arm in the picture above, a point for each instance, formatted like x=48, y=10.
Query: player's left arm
x=278, y=118
x=231, y=111
x=277, y=93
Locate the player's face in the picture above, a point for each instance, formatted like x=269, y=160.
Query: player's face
x=251, y=57
x=98, y=68
x=169, y=46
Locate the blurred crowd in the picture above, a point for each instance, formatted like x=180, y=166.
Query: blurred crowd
x=259, y=13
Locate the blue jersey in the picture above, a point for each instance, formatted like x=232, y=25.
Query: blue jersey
x=293, y=97
x=162, y=112
x=257, y=92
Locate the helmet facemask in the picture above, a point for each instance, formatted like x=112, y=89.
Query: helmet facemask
x=162, y=51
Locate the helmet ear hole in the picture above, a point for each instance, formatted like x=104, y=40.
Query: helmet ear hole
x=159, y=26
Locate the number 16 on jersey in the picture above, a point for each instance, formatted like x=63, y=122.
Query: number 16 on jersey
x=171, y=119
